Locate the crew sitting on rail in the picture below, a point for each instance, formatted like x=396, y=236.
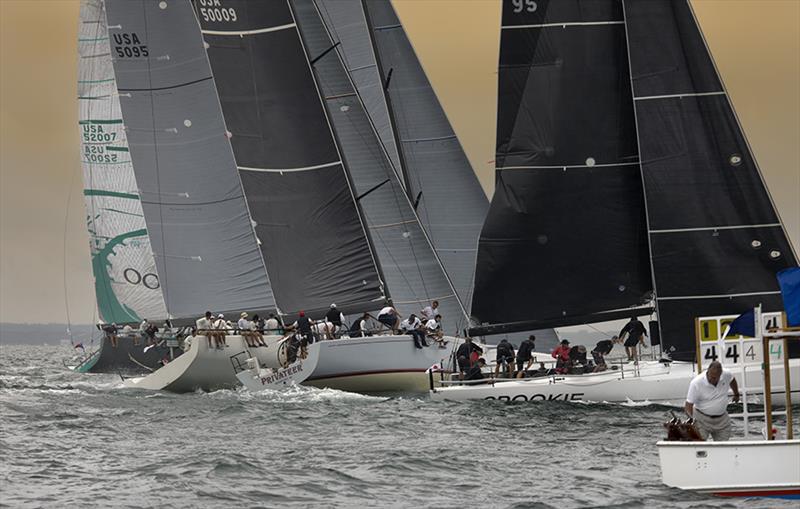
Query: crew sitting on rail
x=561, y=355
x=505, y=358
x=203, y=327
x=433, y=329
x=220, y=329
x=413, y=326
x=256, y=328
x=272, y=325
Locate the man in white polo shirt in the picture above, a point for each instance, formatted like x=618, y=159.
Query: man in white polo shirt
x=707, y=402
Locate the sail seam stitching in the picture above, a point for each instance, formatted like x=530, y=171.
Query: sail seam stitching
x=282, y=170
x=565, y=24
x=724, y=295
x=256, y=31
x=713, y=228
x=566, y=166
x=678, y=96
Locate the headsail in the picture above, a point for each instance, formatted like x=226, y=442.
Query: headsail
x=205, y=247
x=564, y=242
x=400, y=100
x=413, y=274
x=303, y=206
x=126, y=281
x=716, y=239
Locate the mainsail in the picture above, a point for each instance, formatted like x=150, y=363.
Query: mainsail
x=126, y=281
x=413, y=274
x=197, y=218
x=565, y=241
x=716, y=239
x=404, y=108
x=303, y=206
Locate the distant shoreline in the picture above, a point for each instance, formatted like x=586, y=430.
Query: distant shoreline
x=43, y=333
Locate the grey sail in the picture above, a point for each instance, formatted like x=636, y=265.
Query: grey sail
x=413, y=274
x=449, y=199
x=205, y=248
x=303, y=206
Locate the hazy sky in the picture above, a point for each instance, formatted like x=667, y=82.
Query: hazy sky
x=756, y=44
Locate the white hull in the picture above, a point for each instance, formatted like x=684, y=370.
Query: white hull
x=201, y=367
x=258, y=379
x=656, y=383
x=378, y=364
x=736, y=468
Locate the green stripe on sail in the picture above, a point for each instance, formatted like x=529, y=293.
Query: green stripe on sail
x=90, y=98
x=110, y=121
x=115, y=194
x=117, y=149
x=110, y=308
x=93, y=39
x=123, y=212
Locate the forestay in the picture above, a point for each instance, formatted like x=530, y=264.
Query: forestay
x=302, y=203
x=194, y=207
x=126, y=281
x=413, y=274
x=716, y=239
x=565, y=236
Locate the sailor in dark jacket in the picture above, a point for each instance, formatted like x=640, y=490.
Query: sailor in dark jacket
x=505, y=357
x=525, y=354
x=636, y=333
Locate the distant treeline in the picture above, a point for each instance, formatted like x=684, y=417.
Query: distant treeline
x=43, y=333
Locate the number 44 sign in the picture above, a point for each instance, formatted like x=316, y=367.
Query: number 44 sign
x=712, y=329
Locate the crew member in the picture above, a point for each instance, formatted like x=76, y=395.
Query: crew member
x=389, y=317
x=203, y=327
x=636, y=333
x=412, y=325
x=561, y=355
x=505, y=358
x=525, y=354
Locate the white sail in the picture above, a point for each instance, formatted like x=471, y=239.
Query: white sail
x=126, y=281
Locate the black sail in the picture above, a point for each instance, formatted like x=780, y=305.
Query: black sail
x=412, y=272
x=565, y=238
x=312, y=236
x=716, y=239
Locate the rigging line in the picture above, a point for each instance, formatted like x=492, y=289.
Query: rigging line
x=164, y=285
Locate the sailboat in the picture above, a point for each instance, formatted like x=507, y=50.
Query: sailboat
x=235, y=167
x=613, y=125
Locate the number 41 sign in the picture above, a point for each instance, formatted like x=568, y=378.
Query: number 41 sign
x=712, y=329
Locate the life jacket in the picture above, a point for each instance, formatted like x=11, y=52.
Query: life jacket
x=335, y=317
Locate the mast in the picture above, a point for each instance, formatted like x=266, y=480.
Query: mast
x=412, y=270
x=716, y=239
x=304, y=209
x=565, y=238
x=205, y=248
x=126, y=280
x=385, y=82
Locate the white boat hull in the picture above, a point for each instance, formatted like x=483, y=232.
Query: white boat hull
x=378, y=364
x=656, y=383
x=201, y=367
x=257, y=378
x=753, y=468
